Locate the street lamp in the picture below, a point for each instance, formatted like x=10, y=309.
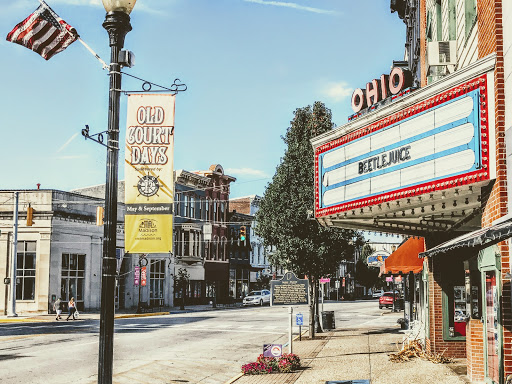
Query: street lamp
x=117, y=24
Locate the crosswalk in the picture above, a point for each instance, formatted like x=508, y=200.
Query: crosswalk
x=232, y=327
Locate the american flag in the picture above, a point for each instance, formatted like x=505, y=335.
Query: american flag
x=43, y=32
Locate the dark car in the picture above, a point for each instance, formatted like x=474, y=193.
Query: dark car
x=386, y=300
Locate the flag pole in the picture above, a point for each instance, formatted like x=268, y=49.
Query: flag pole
x=104, y=65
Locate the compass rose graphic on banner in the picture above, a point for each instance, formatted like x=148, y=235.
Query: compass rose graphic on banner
x=148, y=186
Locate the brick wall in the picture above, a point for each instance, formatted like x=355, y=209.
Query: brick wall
x=475, y=350
x=242, y=205
x=490, y=29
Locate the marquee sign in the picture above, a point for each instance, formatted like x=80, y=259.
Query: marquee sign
x=436, y=144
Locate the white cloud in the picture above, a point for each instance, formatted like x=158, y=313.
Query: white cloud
x=292, y=5
x=67, y=142
x=337, y=91
x=245, y=172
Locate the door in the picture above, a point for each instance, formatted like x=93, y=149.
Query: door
x=492, y=326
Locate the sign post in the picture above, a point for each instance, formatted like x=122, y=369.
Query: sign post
x=299, y=320
x=290, y=331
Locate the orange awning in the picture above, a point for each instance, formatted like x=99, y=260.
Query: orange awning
x=405, y=259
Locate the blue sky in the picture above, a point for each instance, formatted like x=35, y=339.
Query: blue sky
x=248, y=65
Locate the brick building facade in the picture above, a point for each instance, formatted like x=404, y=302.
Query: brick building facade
x=434, y=164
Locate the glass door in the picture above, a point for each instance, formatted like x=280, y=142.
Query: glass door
x=492, y=327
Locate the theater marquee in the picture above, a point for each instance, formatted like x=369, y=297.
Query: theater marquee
x=437, y=143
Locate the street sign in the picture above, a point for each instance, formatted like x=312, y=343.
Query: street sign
x=337, y=284
x=325, y=280
x=272, y=350
x=289, y=290
x=299, y=319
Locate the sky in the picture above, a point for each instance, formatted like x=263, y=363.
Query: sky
x=247, y=64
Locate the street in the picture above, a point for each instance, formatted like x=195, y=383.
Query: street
x=198, y=347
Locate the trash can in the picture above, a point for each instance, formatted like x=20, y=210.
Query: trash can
x=328, y=320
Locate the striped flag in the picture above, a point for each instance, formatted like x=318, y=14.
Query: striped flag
x=43, y=32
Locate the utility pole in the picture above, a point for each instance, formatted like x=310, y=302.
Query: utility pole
x=14, y=256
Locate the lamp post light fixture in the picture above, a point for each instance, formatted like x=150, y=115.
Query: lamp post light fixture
x=117, y=24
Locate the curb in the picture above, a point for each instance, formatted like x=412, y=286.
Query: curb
x=141, y=315
x=24, y=320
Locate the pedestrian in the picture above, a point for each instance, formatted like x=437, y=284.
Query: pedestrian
x=71, y=308
x=57, y=307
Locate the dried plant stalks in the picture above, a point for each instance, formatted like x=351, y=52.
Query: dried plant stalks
x=414, y=349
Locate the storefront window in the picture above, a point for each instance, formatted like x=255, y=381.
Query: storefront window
x=157, y=279
x=72, y=281
x=26, y=270
x=455, y=298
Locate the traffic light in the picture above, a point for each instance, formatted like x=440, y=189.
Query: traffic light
x=242, y=233
x=30, y=216
x=99, y=216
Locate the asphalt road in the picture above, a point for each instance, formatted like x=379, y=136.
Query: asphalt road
x=199, y=347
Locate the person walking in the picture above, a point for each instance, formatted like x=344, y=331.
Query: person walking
x=71, y=308
x=57, y=307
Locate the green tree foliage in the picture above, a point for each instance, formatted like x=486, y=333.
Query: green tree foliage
x=285, y=219
x=365, y=275
x=181, y=282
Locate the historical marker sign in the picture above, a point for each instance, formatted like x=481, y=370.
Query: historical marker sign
x=289, y=290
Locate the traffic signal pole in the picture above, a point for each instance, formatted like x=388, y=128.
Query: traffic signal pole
x=14, y=256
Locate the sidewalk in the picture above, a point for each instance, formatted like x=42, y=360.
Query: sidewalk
x=359, y=354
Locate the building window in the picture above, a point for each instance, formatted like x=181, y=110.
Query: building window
x=26, y=270
x=177, y=202
x=157, y=279
x=215, y=218
x=470, y=15
x=72, y=281
x=186, y=206
x=192, y=207
x=452, y=20
x=201, y=210
x=207, y=209
x=222, y=211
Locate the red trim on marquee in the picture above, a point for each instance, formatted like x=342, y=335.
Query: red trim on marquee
x=463, y=179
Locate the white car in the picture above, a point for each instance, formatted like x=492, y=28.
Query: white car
x=257, y=298
x=377, y=293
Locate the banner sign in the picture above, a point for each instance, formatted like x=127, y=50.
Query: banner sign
x=272, y=350
x=136, y=279
x=143, y=276
x=435, y=144
x=377, y=258
x=149, y=173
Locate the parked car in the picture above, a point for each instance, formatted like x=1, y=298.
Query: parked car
x=377, y=293
x=257, y=298
x=386, y=300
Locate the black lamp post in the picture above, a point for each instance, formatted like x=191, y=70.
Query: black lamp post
x=117, y=24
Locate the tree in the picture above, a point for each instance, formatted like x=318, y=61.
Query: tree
x=365, y=275
x=302, y=244
x=181, y=283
